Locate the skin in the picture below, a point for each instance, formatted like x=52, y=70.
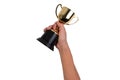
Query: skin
x=69, y=69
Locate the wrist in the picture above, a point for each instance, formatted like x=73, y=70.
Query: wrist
x=63, y=46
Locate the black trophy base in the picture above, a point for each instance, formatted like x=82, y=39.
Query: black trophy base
x=49, y=39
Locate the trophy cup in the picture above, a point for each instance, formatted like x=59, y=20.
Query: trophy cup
x=65, y=16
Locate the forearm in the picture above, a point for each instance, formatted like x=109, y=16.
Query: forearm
x=69, y=70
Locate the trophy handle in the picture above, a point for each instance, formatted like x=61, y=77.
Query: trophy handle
x=57, y=8
x=75, y=21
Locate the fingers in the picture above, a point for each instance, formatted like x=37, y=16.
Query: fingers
x=48, y=28
x=55, y=26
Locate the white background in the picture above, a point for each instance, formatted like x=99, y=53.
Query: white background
x=94, y=40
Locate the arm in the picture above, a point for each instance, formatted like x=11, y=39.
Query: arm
x=69, y=70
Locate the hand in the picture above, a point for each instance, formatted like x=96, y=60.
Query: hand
x=62, y=40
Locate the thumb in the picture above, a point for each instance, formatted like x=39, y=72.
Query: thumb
x=60, y=25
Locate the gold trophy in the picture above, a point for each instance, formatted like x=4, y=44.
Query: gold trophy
x=65, y=16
